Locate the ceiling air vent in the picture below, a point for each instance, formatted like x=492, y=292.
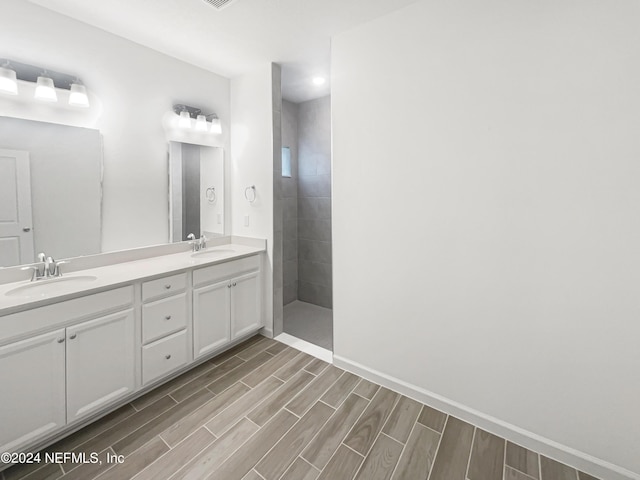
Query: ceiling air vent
x=218, y=4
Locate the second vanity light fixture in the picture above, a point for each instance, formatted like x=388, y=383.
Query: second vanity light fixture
x=192, y=118
x=46, y=83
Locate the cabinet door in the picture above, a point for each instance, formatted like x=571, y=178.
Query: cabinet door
x=245, y=304
x=100, y=363
x=32, y=395
x=211, y=313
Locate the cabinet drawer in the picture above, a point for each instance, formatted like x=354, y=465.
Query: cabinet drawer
x=164, y=286
x=222, y=271
x=164, y=356
x=163, y=317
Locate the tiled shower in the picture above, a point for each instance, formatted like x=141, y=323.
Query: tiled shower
x=307, y=277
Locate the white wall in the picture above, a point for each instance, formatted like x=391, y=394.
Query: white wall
x=252, y=164
x=487, y=212
x=136, y=87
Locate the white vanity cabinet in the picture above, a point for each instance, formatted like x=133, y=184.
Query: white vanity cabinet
x=52, y=379
x=32, y=389
x=226, y=303
x=165, y=326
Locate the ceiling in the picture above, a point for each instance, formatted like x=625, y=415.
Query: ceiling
x=245, y=33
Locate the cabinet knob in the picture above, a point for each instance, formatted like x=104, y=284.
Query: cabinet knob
x=234, y=284
x=229, y=286
x=168, y=317
x=61, y=340
x=72, y=337
x=168, y=286
x=167, y=356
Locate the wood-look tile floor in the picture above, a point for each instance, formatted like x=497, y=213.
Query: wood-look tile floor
x=264, y=411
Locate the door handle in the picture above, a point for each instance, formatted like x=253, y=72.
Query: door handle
x=26, y=229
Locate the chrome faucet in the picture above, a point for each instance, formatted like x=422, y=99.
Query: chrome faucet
x=197, y=244
x=202, y=242
x=46, y=267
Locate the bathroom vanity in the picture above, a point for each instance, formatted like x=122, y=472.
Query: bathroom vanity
x=76, y=347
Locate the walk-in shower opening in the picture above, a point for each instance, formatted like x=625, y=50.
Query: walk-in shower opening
x=306, y=195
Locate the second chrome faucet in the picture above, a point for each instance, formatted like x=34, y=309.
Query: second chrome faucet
x=197, y=244
x=46, y=267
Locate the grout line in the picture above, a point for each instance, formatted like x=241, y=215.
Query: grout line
x=250, y=421
x=394, y=439
x=310, y=464
x=435, y=457
x=347, y=446
x=504, y=461
x=165, y=442
x=404, y=446
x=257, y=473
x=285, y=408
x=540, y=466
x=473, y=439
x=516, y=470
x=177, y=402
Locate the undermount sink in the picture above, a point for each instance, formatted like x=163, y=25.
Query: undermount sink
x=212, y=253
x=45, y=288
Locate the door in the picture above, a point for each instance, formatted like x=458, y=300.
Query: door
x=16, y=234
x=245, y=305
x=100, y=363
x=211, y=314
x=32, y=393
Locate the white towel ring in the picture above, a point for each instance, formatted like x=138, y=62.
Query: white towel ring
x=250, y=193
x=210, y=193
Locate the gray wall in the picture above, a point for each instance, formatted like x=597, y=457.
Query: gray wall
x=190, y=190
x=290, y=202
x=314, y=202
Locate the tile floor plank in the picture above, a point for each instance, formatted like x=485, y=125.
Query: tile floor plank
x=193, y=421
x=252, y=475
x=276, y=462
x=366, y=389
x=171, y=462
x=290, y=369
x=267, y=409
x=200, y=382
x=277, y=348
x=382, y=459
x=258, y=347
x=305, y=399
x=243, y=460
x=323, y=446
x=238, y=409
x=432, y=418
x=523, y=460
x=487, y=457
x=34, y=471
x=316, y=366
x=552, y=470
x=366, y=429
x=139, y=437
x=270, y=367
x=402, y=418
x=212, y=456
x=585, y=476
x=221, y=384
x=227, y=354
x=137, y=461
x=453, y=454
x=301, y=470
x=418, y=454
x=513, y=474
x=90, y=470
x=341, y=389
x=343, y=465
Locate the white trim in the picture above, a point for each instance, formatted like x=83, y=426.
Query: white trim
x=569, y=456
x=306, y=347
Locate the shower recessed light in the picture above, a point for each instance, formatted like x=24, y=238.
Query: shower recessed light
x=319, y=81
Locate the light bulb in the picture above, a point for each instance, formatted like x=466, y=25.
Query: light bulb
x=8, y=81
x=319, y=81
x=78, y=96
x=185, y=120
x=201, y=123
x=45, y=90
x=216, y=126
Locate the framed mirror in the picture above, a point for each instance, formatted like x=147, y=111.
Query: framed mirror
x=50, y=191
x=196, y=191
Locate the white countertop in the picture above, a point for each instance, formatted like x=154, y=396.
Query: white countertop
x=115, y=275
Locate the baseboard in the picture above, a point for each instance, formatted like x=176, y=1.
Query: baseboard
x=306, y=347
x=580, y=460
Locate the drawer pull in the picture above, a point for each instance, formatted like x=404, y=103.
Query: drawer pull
x=61, y=340
x=167, y=356
x=234, y=284
x=229, y=286
x=168, y=317
x=168, y=286
x=72, y=337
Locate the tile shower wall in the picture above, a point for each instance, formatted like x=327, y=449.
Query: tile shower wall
x=290, y=203
x=314, y=202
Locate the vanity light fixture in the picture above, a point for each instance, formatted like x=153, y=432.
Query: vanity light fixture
x=8, y=80
x=45, y=89
x=78, y=96
x=186, y=113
